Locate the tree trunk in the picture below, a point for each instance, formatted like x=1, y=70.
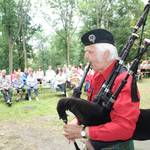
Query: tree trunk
x=10, y=44
x=24, y=47
x=68, y=47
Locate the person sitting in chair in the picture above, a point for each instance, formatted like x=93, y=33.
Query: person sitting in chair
x=5, y=87
x=18, y=84
x=32, y=84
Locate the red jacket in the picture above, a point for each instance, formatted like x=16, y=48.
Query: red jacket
x=124, y=114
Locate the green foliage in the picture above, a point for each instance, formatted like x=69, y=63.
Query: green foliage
x=97, y=13
x=17, y=29
x=9, y=25
x=77, y=53
x=65, y=11
x=9, y=18
x=4, y=64
x=44, y=54
x=58, y=49
x=4, y=55
x=123, y=21
x=42, y=59
x=119, y=17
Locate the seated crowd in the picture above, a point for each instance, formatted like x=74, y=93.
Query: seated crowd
x=22, y=84
x=143, y=69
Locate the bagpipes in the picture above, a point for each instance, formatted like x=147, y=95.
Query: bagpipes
x=98, y=111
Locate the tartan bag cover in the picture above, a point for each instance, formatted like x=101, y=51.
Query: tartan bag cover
x=128, y=145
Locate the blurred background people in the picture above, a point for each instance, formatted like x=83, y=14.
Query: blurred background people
x=32, y=84
x=5, y=87
x=18, y=85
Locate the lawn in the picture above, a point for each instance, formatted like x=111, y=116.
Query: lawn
x=27, y=110
x=144, y=88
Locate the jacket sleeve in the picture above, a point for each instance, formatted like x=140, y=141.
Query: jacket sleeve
x=124, y=116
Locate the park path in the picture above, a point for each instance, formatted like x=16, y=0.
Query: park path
x=39, y=134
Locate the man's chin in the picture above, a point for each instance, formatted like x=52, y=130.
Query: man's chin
x=97, y=69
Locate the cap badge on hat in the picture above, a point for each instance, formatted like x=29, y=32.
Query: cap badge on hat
x=92, y=38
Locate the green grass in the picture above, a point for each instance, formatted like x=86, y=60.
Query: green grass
x=144, y=88
x=26, y=110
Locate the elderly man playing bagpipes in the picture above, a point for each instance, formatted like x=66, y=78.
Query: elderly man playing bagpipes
x=102, y=54
x=111, y=117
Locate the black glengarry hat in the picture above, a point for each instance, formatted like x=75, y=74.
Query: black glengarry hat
x=97, y=36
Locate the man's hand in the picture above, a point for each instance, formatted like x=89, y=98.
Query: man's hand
x=74, y=121
x=72, y=131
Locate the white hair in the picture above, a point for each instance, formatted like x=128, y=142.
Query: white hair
x=106, y=46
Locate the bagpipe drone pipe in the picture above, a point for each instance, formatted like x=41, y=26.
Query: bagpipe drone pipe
x=98, y=111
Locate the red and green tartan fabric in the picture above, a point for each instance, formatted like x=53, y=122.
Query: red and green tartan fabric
x=121, y=146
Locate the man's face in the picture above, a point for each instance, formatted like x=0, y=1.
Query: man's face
x=30, y=72
x=3, y=73
x=95, y=57
x=49, y=67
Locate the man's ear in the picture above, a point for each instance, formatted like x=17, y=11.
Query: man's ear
x=106, y=55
